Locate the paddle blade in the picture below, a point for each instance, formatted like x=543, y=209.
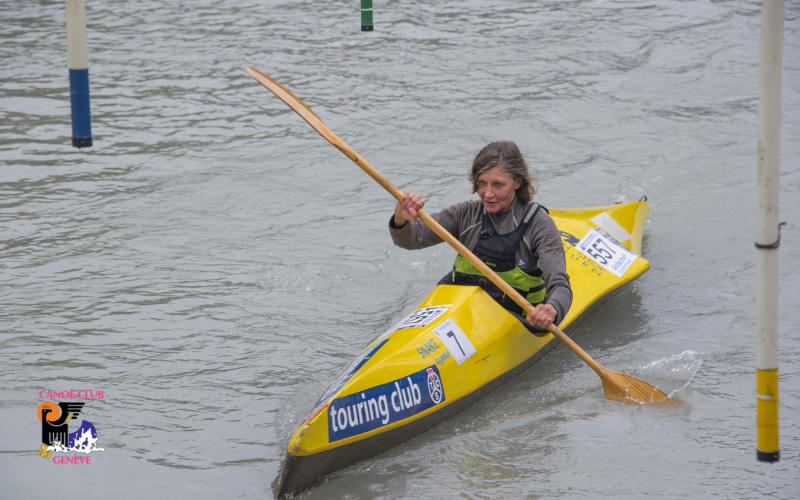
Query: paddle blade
x=279, y=90
x=298, y=106
x=633, y=390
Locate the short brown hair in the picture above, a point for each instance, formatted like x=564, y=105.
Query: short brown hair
x=507, y=155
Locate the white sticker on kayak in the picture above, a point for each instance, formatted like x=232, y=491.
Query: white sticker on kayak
x=606, y=251
x=612, y=227
x=455, y=340
x=422, y=317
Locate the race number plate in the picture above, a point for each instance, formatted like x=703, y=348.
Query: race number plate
x=421, y=317
x=455, y=340
x=605, y=250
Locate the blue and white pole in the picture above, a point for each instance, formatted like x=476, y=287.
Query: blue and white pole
x=78, y=61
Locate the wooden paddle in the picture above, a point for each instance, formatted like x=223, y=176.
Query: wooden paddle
x=618, y=386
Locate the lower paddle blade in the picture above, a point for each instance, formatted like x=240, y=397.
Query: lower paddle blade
x=633, y=390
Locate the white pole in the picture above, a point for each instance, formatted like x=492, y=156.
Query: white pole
x=78, y=63
x=768, y=232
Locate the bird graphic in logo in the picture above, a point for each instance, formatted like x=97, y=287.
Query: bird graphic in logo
x=568, y=238
x=55, y=418
x=55, y=421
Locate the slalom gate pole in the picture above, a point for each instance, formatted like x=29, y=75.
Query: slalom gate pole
x=78, y=63
x=366, y=15
x=768, y=231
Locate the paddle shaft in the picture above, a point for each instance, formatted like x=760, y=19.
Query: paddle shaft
x=317, y=124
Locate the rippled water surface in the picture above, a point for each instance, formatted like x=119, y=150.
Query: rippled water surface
x=211, y=263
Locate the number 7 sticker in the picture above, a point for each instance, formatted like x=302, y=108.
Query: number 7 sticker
x=455, y=340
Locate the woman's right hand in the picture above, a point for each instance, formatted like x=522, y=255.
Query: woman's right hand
x=407, y=208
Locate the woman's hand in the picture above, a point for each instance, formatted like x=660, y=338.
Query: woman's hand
x=542, y=315
x=406, y=209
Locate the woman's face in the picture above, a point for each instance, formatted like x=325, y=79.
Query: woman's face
x=496, y=189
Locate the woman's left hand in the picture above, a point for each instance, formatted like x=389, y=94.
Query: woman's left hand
x=542, y=315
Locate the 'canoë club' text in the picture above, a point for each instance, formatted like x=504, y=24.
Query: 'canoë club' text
x=71, y=394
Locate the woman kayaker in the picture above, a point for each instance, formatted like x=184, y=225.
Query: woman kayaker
x=507, y=230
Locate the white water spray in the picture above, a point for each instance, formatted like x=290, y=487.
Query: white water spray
x=673, y=374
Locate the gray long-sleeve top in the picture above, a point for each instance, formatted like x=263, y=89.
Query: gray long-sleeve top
x=541, y=242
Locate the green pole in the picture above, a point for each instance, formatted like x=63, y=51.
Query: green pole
x=366, y=15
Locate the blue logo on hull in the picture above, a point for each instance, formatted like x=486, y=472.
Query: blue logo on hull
x=383, y=404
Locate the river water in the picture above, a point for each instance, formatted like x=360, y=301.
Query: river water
x=211, y=263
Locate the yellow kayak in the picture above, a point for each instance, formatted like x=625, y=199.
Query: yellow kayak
x=453, y=349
